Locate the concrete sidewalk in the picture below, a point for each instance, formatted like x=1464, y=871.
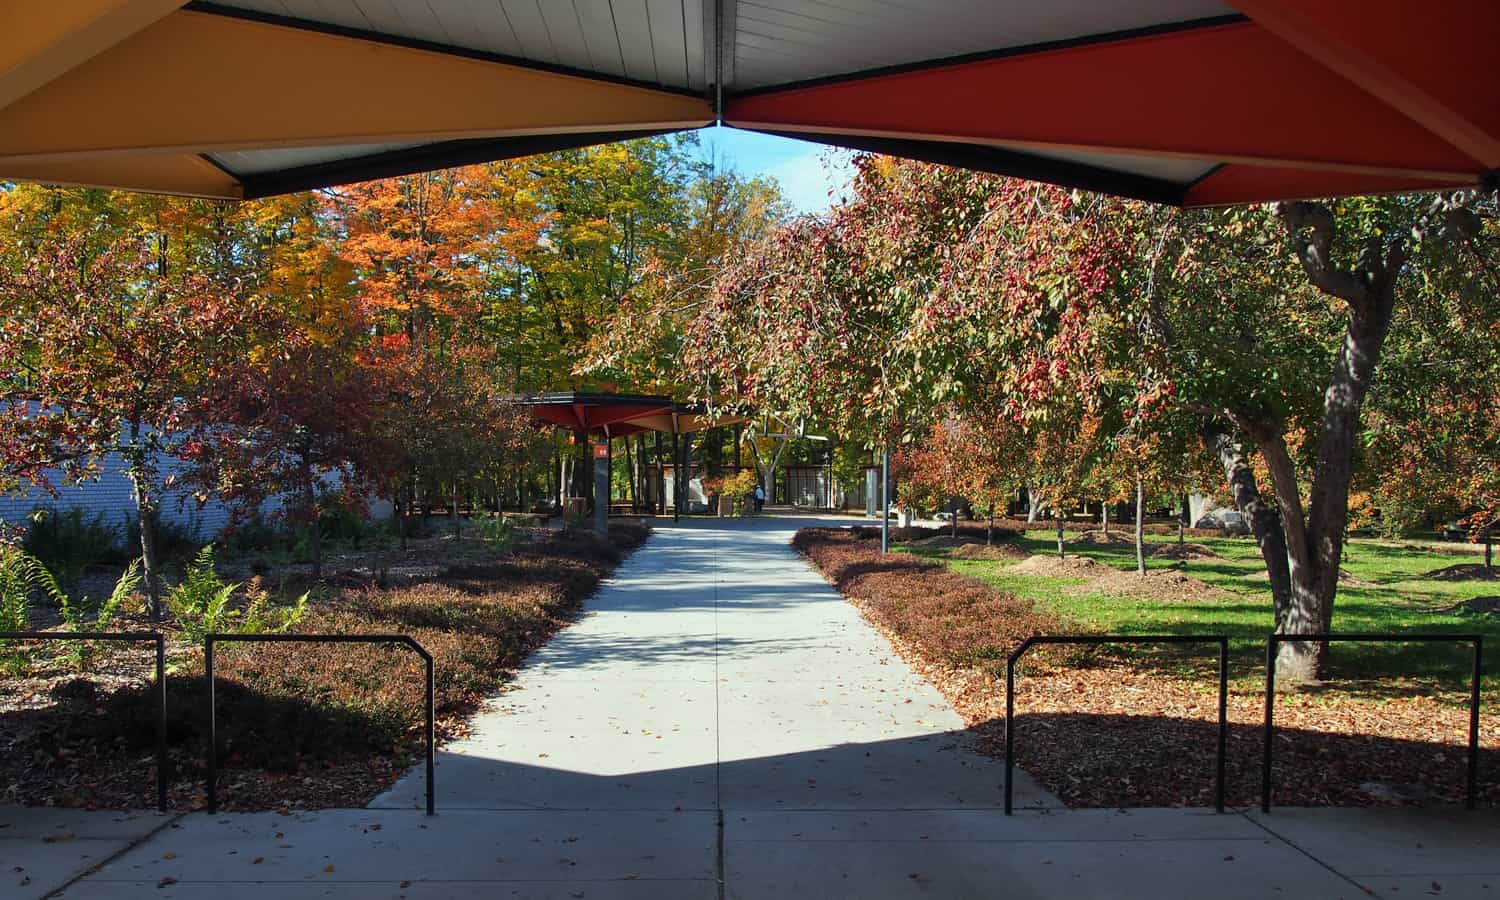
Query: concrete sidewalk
x=722, y=724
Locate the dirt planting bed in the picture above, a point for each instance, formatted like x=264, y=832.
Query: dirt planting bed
x=302, y=725
x=1463, y=572
x=1156, y=584
x=1001, y=552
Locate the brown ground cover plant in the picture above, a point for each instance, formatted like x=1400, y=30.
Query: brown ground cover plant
x=312, y=725
x=951, y=619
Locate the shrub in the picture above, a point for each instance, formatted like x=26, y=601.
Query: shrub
x=18, y=579
x=973, y=530
x=497, y=530
x=69, y=543
x=200, y=602
x=949, y=618
x=175, y=542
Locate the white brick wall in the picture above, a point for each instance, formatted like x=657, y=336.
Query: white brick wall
x=113, y=496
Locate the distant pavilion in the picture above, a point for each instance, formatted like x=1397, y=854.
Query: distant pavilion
x=596, y=419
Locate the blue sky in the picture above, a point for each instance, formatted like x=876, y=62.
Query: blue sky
x=812, y=176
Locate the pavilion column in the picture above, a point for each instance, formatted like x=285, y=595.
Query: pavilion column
x=601, y=486
x=687, y=469
x=661, y=479
x=676, y=477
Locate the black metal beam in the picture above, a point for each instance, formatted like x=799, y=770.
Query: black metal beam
x=1002, y=161
x=427, y=157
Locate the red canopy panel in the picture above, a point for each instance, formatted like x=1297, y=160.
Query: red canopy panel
x=587, y=412
x=1169, y=116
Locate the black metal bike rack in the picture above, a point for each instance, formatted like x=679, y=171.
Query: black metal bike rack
x=1276, y=640
x=1096, y=639
x=160, y=686
x=213, y=729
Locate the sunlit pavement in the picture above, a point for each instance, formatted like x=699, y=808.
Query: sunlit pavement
x=721, y=723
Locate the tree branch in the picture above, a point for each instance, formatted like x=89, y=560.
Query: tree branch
x=1312, y=231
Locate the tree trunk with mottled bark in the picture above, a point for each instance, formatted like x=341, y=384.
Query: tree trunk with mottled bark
x=1303, y=545
x=1140, y=526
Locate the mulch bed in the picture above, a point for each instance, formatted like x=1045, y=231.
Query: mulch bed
x=307, y=726
x=1101, y=731
x=1483, y=605
x=1000, y=552
x=1463, y=572
x=1183, y=551
x=1156, y=584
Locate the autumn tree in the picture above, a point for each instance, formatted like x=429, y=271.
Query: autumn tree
x=293, y=426
x=1247, y=303
x=102, y=350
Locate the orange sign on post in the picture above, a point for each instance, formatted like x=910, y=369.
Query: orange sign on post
x=601, y=451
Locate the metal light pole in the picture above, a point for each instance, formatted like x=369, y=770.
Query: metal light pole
x=885, y=501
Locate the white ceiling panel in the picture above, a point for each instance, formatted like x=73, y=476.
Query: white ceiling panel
x=257, y=162
x=771, y=41
x=783, y=41
x=637, y=42
x=1177, y=170
x=598, y=25
x=649, y=41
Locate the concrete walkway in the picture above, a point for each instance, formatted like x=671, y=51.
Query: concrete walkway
x=722, y=724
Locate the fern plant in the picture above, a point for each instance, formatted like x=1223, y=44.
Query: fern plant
x=17, y=581
x=16, y=584
x=261, y=616
x=85, y=616
x=498, y=531
x=201, y=602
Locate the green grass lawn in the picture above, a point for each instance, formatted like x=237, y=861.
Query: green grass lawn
x=1390, y=596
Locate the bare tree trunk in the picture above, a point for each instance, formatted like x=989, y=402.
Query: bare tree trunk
x=145, y=517
x=1031, y=504
x=1061, y=552
x=989, y=531
x=453, y=513
x=1265, y=521
x=315, y=529
x=1140, y=527
x=400, y=506
x=1104, y=517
